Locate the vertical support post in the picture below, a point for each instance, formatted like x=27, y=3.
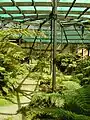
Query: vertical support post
x=61, y=36
x=51, y=29
x=54, y=43
x=18, y=101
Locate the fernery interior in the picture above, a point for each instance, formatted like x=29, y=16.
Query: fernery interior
x=45, y=59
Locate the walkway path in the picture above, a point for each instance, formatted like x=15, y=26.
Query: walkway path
x=28, y=85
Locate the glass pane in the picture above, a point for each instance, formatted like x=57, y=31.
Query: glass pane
x=63, y=8
x=66, y=0
x=10, y=8
x=23, y=0
x=29, y=14
x=5, y=0
x=4, y=15
x=77, y=1
x=26, y=8
x=16, y=15
x=17, y=20
x=73, y=15
x=0, y=9
x=31, y=0
x=77, y=9
x=83, y=1
x=42, y=0
x=88, y=16
x=43, y=8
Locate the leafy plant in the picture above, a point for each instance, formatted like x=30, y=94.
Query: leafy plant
x=16, y=32
x=10, y=66
x=11, y=56
x=74, y=105
x=66, y=63
x=42, y=101
x=82, y=71
x=78, y=101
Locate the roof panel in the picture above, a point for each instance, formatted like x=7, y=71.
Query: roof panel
x=77, y=1
x=5, y=0
x=23, y=0
x=15, y=15
x=66, y=0
x=10, y=8
x=0, y=9
x=42, y=0
x=31, y=0
x=26, y=8
x=88, y=16
x=82, y=1
x=77, y=9
x=63, y=8
x=4, y=15
x=43, y=8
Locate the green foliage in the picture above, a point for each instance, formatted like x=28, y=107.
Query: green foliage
x=43, y=100
x=70, y=85
x=10, y=66
x=4, y=102
x=82, y=71
x=16, y=32
x=78, y=101
x=66, y=63
x=67, y=82
x=12, y=55
x=39, y=66
x=71, y=105
x=84, y=64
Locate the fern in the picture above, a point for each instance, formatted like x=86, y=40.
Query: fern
x=47, y=100
x=52, y=114
x=70, y=85
x=79, y=101
x=71, y=105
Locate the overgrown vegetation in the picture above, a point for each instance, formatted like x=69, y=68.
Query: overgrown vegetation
x=12, y=57
x=10, y=66
x=71, y=105
x=71, y=101
x=66, y=63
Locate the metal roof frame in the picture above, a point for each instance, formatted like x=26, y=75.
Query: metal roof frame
x=23, y=13
x=65, y=17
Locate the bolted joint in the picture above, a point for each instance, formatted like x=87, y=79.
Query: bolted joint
x=53, y=16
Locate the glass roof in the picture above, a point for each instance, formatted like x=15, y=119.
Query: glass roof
x=77, y=1
x=24, y=10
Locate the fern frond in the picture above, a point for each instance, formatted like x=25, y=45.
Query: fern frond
x=53, y=114
x=79, y=101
